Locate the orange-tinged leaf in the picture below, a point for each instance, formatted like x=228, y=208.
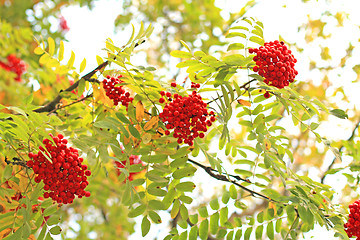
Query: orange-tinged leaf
x=244, y=102
x=267, y=144
x=100, y=95
x=14, y=186
x=152, y=123
x=139, y=111
x=5, y=232
x=273, y=206
x=23, y=184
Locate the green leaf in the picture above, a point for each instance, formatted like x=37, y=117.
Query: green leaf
x=270, y=230
x=234, y=59
x=180, y=54
x=339, y=113
x=214, y=223
x=235, y=46
x=230, y=235
x=203, y=212
x=257, y=40
x=225, y=197
x=137, y=211
x=50, y=210
x=175, y=209
x=214, y=204
x=122, y=117
x=55, y=230
x=247, y=233
x=145, y=226
x=259, y=232
x=223, y=216
x=184, y=212
x=184, y=172
x=185, y=186
x=233, y=192
x=193, y=233
x=134, y=132
x=204, y=229
x=155, y=217
x=235, y=34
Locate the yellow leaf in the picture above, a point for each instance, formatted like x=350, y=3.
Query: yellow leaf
x=139, y=111
x=146, y=138
x=244, y=102
x=100, y=95
x=14, y=186
x=23, y=184
x=152, y=123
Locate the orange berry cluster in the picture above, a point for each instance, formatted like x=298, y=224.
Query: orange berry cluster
x=65, y=176
x=275, y=63
x=188, y=115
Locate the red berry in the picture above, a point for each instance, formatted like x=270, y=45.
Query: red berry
x=173, y=84
x=267, y=95
x=87, y=172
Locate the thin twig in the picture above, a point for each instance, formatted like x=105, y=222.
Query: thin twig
x=340, y=150
x=242, y=86
x=77, y=101
x=224, y=178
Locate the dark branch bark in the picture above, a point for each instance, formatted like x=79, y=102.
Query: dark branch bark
x=52, y=105
x=224, y=178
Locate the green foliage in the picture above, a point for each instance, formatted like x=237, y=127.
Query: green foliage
x=250, y=148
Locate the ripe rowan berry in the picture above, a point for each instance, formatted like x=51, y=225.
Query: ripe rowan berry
x=275, y=63
x=188, y=116
x=63, y=177
x=352, y=227
x=15, y=65
x=173, y=84
x=116, y=93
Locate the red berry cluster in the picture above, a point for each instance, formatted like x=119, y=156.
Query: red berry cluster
x=63, y=24
x=66, y=176
x=15, y=65
x=116, y=93
x=133, y=159
x=352, y=227
x=187, y=115
x=275, y=63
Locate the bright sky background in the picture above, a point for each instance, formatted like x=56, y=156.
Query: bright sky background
x=89, y=30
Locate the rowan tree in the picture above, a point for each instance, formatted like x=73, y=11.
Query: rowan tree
x=217, y=136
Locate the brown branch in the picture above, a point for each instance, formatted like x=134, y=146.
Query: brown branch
x=340, y=150
x=242, y=86
x=52, y=105
x=226, y=179
x=77, y=101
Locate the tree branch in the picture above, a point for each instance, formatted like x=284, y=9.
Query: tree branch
x=52, y=105
x=224, y=178
x=340, y=150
